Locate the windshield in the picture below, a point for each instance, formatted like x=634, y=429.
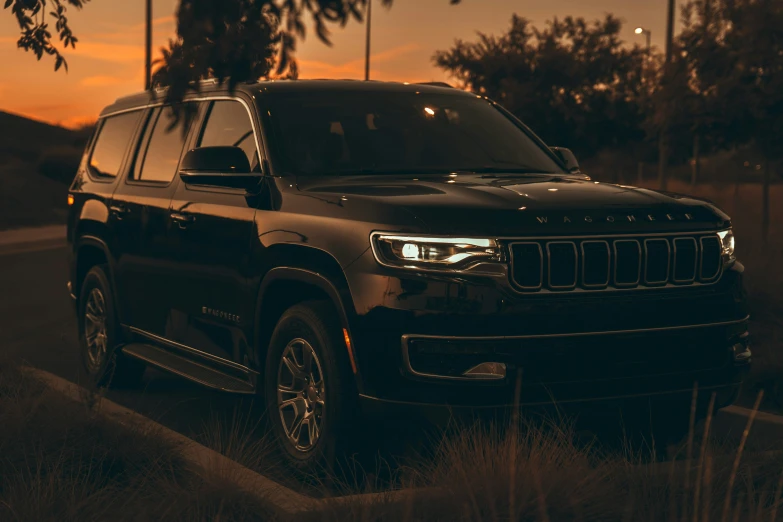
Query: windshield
x=341, y=133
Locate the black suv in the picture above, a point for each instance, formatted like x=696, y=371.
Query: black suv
x=339, y=245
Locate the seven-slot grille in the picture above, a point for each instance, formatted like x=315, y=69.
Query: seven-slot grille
x=615, y=262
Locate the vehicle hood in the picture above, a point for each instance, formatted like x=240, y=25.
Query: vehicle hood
x=513, y=205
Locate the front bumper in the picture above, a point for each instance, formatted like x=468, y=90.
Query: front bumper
x=418, y=335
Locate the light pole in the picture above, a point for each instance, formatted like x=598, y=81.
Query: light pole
x=148, y=47
x=367, y=42
x=648, y=34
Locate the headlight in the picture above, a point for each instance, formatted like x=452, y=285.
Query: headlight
x=727, y=245
x=440, y=253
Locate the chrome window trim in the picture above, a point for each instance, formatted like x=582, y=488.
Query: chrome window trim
x=608, y=265
x=695, y=260
x=541, y=264
x=256, y=130
x=665, y=280
x=549, y=265
x=719, y=273
x=638, y=269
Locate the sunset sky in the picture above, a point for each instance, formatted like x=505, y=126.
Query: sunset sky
x=108, y=59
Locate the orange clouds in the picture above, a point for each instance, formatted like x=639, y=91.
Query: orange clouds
x=100, y=81
x=353, y=68
x=110, y=52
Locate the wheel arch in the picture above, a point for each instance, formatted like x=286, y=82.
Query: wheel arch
x=90, y=251
x=319, y=277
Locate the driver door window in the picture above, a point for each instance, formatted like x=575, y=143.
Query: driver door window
x=229, y=124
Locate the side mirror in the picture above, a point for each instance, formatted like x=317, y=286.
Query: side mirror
x=567, y=157
x=226, y=167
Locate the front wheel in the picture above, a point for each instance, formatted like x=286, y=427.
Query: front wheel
x=310, y=392
x=99, y=334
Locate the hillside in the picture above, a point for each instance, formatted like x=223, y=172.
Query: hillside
x=25, y=139
x=36, y=161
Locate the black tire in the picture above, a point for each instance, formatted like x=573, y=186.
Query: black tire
x=106, y=367
x=317, y=325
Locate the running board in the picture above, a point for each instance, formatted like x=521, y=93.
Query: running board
x=188, y=369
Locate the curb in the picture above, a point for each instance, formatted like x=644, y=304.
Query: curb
x=765, y=434
x=287, y=501
x=206, y=461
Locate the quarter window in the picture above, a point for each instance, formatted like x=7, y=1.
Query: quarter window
x=112, y=142
x=228, y=123
x=160, y=153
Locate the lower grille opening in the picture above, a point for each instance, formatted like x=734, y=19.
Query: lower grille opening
x=549, y=360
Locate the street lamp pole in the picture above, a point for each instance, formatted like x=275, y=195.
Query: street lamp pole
x=148, y=47
x=648, y=34
x=367, y=42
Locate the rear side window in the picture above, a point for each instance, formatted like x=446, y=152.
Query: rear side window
x=112, y=142
x=161, y=148
x=228, y=123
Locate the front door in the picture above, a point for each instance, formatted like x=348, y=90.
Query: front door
x=211, y=233
x=141, y=206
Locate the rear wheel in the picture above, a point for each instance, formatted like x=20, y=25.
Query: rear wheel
x=310, y=392
x=99, y=334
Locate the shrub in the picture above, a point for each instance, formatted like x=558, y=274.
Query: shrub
x=60, y=163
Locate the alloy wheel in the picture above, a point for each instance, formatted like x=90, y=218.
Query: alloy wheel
x=300, y=394
x=95, y=328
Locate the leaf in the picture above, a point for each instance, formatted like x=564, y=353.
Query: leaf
x=7, y=4
x=58, y=63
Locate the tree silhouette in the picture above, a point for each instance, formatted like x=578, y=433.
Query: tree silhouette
x=574, y=82
x=36, y=35
x=234, y=40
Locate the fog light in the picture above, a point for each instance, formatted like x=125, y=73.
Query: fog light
x=741, y=352
x=487, y=370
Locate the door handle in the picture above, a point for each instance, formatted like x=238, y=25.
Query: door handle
x=182, y=219
x=118, y=211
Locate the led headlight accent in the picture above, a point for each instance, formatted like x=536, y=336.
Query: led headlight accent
x=727, y=245
x=447, y=253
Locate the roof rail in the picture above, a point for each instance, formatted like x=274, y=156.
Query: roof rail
x=436, y=84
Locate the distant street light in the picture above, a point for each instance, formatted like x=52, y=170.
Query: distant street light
x=648, y=34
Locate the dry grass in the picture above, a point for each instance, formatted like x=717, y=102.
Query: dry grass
x=538, y=473
x=60, y=461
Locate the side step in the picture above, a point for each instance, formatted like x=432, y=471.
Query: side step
x=188, y=369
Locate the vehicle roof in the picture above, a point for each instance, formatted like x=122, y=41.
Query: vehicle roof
x=144, y=98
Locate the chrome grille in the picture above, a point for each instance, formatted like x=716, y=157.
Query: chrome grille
x=563, y=264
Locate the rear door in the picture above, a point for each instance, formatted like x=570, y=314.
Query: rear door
x=212, y=302
x=140, y=213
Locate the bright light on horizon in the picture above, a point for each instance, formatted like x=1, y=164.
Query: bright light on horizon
x=639, y=30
